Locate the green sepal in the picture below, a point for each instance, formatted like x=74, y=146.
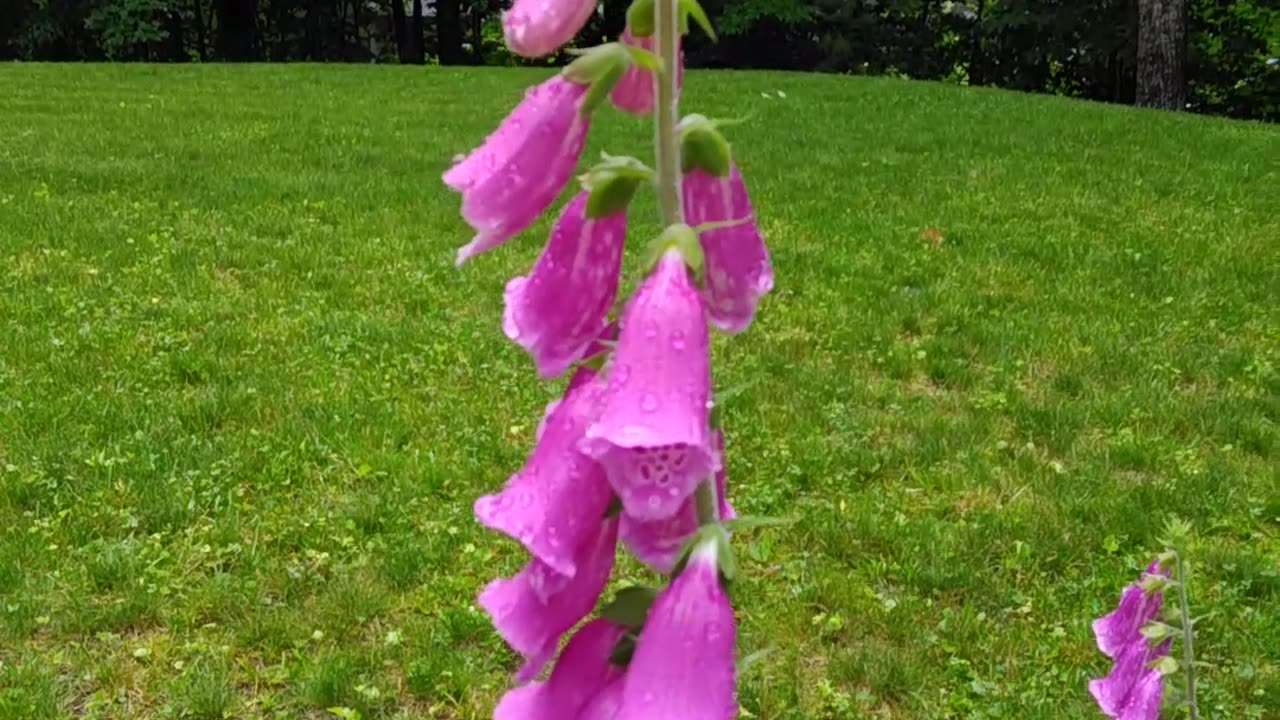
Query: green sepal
x=691, y=8
x=600, y=68
x=703, y=147
x=1152, y=583
x=630, y=606
x=640, y=18
x=1166, y=665
x=623, y=649
x=612, y=184
x=1157, y=631
x=682, y=238
x=751, y=522
x=643, y=58
x=715, y=534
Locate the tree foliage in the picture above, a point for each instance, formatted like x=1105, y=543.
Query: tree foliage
x=1081, y=48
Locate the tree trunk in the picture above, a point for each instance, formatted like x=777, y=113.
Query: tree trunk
x=201, y=48
x=416, y=41
x=1162, y=50
x=237, y=29
x=401, y=29
x=449, y=32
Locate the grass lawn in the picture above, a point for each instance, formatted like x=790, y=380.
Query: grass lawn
x=246, y=400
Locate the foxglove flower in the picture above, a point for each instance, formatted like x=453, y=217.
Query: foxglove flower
x=737, y=267
x=581, y=673
x=634, y=92
x=652, y=436
x=558, y=499
x=1123, y=626
x=1132, y=690
x=533, y=609
x=523, y=165
x=657, y=543
x=683, y=666
x=605, y=704
x=534, y=28
x=558, y=310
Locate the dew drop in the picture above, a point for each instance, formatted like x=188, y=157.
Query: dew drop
x=677, y=340
x=649, y=402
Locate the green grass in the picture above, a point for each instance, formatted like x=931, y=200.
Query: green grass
x=246, y=400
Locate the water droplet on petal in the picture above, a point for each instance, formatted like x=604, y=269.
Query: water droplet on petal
x=649, y=402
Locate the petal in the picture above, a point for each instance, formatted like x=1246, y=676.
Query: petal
x=581, y=672
x=1144, y=700
x=606, y=704
x=531, y=619
x=1115, y=691
x=560, y=308
x=523, y=166
x=737, y=266
x=652, y=434
x=683, y=666
x=534, y=28
x=635, y=90
x=657, y=543
x=558, y=499
x=1122, y=626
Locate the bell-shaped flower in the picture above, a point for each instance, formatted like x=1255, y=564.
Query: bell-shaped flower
x=1133, y=689
x=606, y=703
x=652, y=435
x=737, y=269
x=558, y=499
x=1122, y=627
x=581, y=673
x=535, y=607
x=520, y=169
x=534, y=28
x=657, y=543
x=683, y=666
x=522, y=166
x=559, y=309
x=634, y=93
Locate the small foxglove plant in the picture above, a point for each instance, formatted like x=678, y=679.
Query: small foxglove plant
x=1138, y=637
x=632, y=452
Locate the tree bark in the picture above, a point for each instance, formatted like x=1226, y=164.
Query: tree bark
x=237, y=38
x=449, y=32
x=401, y=29
x=1162, y=51
x=416, y=41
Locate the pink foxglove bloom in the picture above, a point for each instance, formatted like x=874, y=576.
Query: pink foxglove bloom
x=523, y=165
x=533, y=609
x=657, y=543
x=558, y=499
x=559, y=309
x=683, y=666
x=634, y=92
x=652, y=437
x=581, y=672
x=1132, y=690
x=1122, y=627
x=738, y=271
x=534, y=28
x=605, y=704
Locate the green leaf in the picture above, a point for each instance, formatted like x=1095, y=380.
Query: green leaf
x=643, y=58
x=623, y=650
x=630, y=606
x=691, y=8
x=1166, y=665
x=1157, y=631
x=640, y=18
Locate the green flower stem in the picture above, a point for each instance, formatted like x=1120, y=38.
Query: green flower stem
x=666, y=114
x=1188, y=654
